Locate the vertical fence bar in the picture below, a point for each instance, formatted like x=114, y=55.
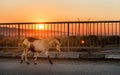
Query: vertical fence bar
x=68, y=36
x=97, y=35
x=82, y=29
x=61, y=28
x=54, y=30
x=51, y=29
x=116, y=39
x=64, y=34
x=119, y=33
x=83, y=33
x=112, y=29
x=101, y=35
x=108, y=29
x=93, y=28
x=104, y=34
x=116, y=28
x=90, y=29
x=79, y=33
x=18, y=34
x=86, y=34
x=25, y=30
x=71, y=36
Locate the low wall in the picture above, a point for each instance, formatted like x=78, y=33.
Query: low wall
x=105, y=55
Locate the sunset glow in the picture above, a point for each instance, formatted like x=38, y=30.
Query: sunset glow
x=58, y=10
x=63, y=10
x=41, y=26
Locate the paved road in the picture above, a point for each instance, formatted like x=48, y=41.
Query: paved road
x=10, y=66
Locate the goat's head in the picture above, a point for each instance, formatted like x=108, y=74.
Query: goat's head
x=58, y=44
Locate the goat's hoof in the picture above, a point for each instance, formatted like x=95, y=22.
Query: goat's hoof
x=35, y=63
x=51, y=63
x=28, y=63
x=21, y=62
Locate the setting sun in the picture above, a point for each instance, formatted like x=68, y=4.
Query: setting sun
x=41, y=26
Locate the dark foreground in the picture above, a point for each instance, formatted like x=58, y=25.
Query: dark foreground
x=10, y=66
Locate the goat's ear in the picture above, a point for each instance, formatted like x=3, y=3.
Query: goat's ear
x=58, y=39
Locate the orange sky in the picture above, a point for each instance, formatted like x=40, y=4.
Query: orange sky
x=58, y=10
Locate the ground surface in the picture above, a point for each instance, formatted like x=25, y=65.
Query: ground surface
x=10, y=66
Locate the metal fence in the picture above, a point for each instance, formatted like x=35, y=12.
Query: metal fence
x=73, y=35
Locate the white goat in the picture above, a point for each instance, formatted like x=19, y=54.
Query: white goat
x=37, y=46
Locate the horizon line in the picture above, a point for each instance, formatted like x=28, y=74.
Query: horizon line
x=55, y=22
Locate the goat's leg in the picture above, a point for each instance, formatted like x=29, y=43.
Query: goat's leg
x=35, y=57
x=22, y=57
x=50, y=60
x=26, y=59
x=46, y=53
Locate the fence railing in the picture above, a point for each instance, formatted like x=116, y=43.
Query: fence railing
x=73, y=35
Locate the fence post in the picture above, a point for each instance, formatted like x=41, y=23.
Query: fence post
x=18, y=35
x=68, y=37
